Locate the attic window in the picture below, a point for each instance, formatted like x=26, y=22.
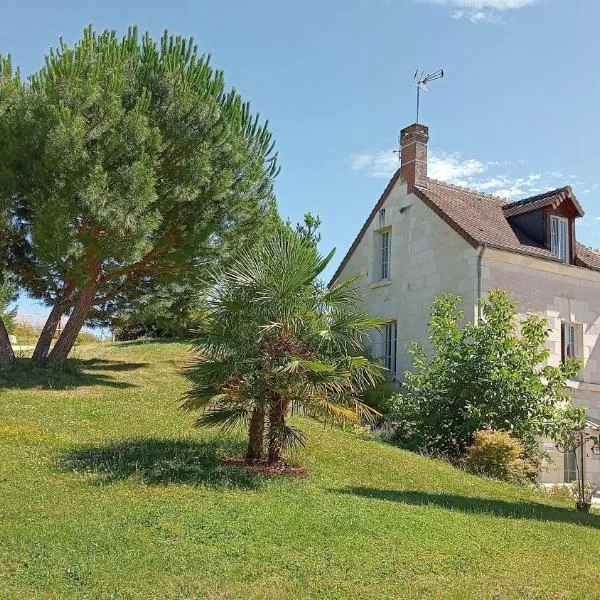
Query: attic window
x=559, y=238
x=384, y=256
x=382, y=217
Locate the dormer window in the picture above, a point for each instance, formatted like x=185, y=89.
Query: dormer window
x=559, y=238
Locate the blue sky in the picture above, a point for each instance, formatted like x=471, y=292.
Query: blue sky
x=517, y=112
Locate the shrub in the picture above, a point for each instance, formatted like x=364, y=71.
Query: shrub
x=500, y=455
x=85, y=337
x=26, y=333
x=380, y=397
x=490, y=374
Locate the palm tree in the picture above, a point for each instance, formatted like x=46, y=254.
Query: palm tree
x=278, y=342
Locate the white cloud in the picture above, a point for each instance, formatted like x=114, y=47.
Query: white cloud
x=379, y=164
x=493, y=177
x=481, y=11
x=483, y=4
x=453, y=168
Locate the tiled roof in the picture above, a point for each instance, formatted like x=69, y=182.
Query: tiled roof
x=481, y=219
x=551, y=198
x=587, y=257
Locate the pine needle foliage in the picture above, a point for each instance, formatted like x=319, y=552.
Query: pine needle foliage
x=133, y=164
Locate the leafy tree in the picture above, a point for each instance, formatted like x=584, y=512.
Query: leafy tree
x=278, y=342
x=7, y=319
x=308, y=230
x=8, y=293
x=9, y=92
x=177, y=308
x=174, y=309
x=133, y=163
x=484, y=375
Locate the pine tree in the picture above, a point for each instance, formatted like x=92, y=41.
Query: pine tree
x=133, y=162
x=9, y=92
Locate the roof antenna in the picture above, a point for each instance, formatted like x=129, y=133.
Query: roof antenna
x=421, y=80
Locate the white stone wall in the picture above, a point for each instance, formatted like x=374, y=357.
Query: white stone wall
x=427, y=258
x=562, y=293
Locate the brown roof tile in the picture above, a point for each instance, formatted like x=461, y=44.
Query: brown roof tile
x=551, y=198
x=481, y=219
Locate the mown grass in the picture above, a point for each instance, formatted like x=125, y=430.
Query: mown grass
x=106, y=492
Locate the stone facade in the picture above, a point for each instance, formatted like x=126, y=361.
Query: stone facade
x=564, y=294
x=429, y=257
x=426, y=258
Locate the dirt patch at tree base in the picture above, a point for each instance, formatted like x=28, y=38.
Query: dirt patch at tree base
x=261, y=466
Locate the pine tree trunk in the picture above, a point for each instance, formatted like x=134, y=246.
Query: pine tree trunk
x=277, y=414
x=7, y=354
x=43, y=344
x=256, y=434
x=69, y=334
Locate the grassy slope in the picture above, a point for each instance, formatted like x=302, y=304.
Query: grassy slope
x=106, y=492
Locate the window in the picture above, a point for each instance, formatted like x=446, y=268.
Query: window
x=389, y=347
x=570, y=467
x=568, y=341
x=384, y=256
x=559, y=238
x=382, y=217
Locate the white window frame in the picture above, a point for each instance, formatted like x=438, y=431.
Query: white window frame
x=385, y=245
x=382, y=217
x=390, y=341
x=559, y=238
x=568, y=341
x=570, y=466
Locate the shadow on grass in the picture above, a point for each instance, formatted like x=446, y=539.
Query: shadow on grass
x=156, y=461
x=467, y=504
x=74, y=372
x=155, y=340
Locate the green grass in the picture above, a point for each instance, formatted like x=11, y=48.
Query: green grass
x=107, y=492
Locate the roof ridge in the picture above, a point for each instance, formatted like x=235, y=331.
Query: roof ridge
x=469, y=190
x=546, y=194
x=594, y=250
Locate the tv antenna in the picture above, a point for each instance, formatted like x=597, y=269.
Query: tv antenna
x=422, y=79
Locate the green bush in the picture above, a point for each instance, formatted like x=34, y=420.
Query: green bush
x=488, y=374
x=499, y=455
x=380, y=396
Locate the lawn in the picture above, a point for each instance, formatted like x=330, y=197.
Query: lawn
x=108, y=493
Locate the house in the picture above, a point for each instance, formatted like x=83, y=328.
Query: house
x=424, y=237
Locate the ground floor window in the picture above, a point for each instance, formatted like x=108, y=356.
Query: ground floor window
x=389, y=348
x=570, y=467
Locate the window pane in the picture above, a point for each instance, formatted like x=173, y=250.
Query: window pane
x=564, y=239
x=570, y=467
x=554, y=236
x=389, y=347
x=568, y=341
x=559, y=238
x=385, y=255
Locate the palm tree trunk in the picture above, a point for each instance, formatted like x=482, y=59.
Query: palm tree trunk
x=52, y=322
x=256, y=434
x=69, y=334
x=7, y=354
x=277, y=414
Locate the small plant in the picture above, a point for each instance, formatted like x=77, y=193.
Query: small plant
x=489, y=374
x=582, y=491
x=560, y=492
x=500, y=455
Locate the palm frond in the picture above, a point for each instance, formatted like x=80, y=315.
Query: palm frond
x=225, y=417
x=293, y=438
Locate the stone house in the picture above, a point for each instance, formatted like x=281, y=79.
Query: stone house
x=424, y=237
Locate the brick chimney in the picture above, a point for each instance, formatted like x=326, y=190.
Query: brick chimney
x=413, y=155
